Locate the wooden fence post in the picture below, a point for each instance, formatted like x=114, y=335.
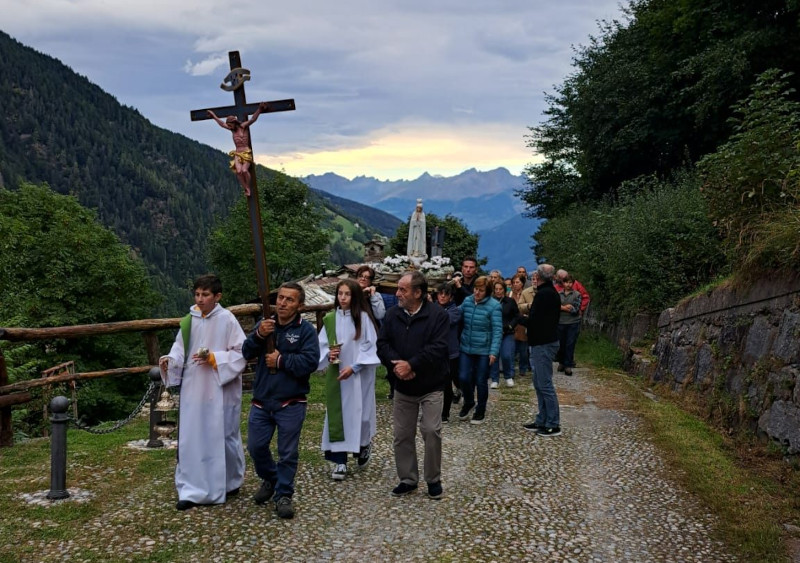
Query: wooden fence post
x=6, y=432
x=151, y=345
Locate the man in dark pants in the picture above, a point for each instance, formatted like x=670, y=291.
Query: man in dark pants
x=413, y=345
x=279, y=395
x=543, y=340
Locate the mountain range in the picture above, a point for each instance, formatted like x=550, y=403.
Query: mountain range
x=484, y=201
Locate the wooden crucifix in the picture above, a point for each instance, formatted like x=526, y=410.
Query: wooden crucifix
x=236, y=120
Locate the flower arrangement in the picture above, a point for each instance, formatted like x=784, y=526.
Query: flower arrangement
x=436, y=267
x=396, y=264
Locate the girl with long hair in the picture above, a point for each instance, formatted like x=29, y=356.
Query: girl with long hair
x=348, y=351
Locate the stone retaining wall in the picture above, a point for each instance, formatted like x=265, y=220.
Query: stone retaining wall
x=739, y=350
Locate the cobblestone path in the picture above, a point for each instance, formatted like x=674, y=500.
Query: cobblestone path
x=599, y=492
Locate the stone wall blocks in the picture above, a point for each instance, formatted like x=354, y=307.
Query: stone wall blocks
x=738, y=382
x=679, y=363
x=760, y=336
x=785, y=345
x=704, y=364
x=738, y=348
x=665, y=318
x=781, y=384
x=782, y=423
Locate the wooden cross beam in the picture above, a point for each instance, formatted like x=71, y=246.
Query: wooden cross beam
x=241, y=111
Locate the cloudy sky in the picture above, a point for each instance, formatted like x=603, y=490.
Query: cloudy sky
x=384, y=88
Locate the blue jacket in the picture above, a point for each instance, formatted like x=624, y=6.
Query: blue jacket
x=483, y=326
x=297, y=342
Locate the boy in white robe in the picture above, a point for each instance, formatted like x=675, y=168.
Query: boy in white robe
x=210, y=453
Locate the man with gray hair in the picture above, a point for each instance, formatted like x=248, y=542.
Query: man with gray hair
x=494, y=276
x=543, y=340
x=413, y=346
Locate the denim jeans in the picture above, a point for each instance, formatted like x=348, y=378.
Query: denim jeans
x=473, y=372
x=567, y=337
x=261, y=425
x=521, y=352
x=542, y=363
x=506, y=357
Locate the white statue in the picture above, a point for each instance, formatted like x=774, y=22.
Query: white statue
x=416, y=233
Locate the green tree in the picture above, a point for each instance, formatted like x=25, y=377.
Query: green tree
x=653, y=94
x=751, y=182
x=459, y=242
x=61, y=267
x=295, y=243
x=641, y=254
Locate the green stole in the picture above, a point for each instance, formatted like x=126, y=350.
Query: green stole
x=333, y=390
x=186, y=330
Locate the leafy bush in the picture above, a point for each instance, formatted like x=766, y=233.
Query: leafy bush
x=642, y=254
x=752, y=182
x=61, y=267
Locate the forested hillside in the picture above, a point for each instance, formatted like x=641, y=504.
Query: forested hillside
x=670, y=156
x=160, y=192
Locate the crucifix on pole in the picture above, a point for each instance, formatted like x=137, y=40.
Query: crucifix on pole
x=237, y=121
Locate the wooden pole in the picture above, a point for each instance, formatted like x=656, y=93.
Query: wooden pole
x=151, y=345
x=15, y=399
x=6, y=432
x=78, y=331
x=145, y=325
x=33, y=383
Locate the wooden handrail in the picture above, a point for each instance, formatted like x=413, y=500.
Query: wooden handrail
x=44, y=381
x=18, y=393
x=78, y=331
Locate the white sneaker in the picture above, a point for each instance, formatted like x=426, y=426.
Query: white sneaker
x=339, y=472
x=509, y=382
x=493, y=385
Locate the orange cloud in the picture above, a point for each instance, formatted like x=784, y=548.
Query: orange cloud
x=406, y=152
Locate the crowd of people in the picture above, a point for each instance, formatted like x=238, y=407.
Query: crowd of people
x=440, y=348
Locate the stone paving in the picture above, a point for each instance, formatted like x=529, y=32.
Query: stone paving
x=600, y=492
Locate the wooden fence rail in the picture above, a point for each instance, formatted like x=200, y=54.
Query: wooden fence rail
x=19, y=392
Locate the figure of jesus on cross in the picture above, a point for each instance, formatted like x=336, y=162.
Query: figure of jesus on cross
x=242, y=155
x=238, y=119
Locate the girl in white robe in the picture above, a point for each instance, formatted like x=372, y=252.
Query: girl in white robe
x=210, y=454
x=358, y=361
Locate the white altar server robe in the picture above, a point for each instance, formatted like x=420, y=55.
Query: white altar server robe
x=358, y=390
x=210, y=452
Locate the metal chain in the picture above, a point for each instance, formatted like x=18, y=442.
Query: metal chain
x=120, y=423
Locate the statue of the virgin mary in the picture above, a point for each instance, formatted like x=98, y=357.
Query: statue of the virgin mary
x=416, y=233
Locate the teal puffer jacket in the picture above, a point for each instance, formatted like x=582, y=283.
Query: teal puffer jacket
x=483, y=326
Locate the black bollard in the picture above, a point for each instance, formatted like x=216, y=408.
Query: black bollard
x=58, y=448
x=155, y=416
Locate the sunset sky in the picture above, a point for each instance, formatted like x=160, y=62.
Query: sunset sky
x=389, y=89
